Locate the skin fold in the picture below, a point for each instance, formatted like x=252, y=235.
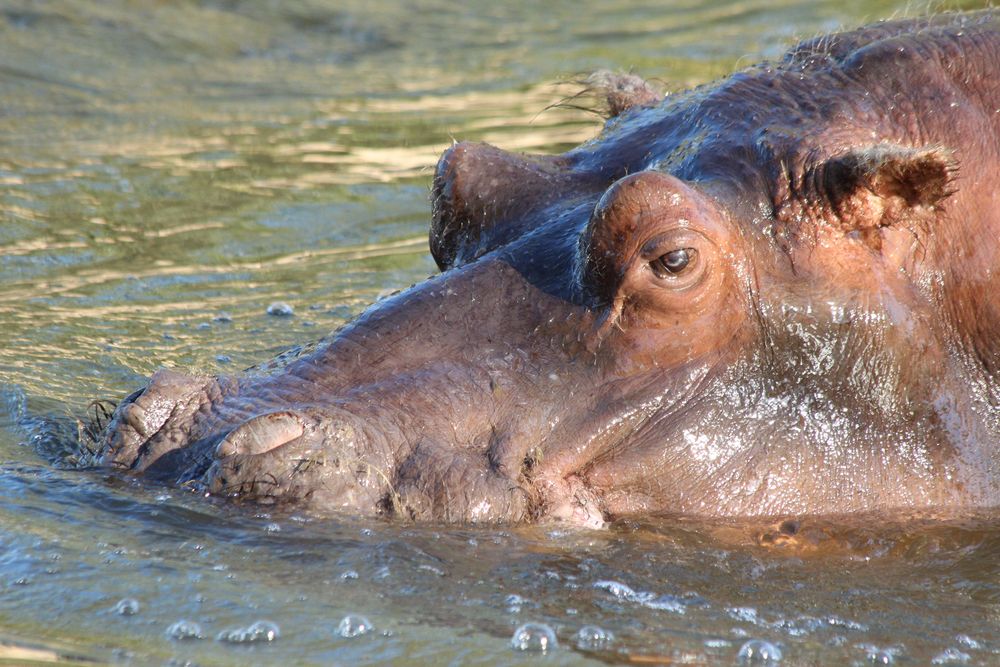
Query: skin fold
x=778, y=294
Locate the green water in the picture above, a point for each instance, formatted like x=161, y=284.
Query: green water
x=170, y=169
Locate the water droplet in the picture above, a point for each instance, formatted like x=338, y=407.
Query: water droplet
x=127, y=607
x=280, y=309
x=758, y=652
x=534, y=637
x=184, y=630
x=951, y=656
x=259, y=631
x=354, y=625
x=594, y=638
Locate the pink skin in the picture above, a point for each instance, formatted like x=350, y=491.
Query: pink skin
x=772, y=296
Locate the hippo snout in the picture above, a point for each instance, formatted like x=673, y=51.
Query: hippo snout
x=154, y=421
x=326, y=458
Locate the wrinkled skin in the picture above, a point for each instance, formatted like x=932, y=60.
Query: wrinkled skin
x=777, y=294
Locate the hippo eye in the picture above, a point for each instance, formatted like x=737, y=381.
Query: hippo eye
x=672, y=262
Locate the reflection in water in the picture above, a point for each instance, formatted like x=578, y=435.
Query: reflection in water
x=170, y=169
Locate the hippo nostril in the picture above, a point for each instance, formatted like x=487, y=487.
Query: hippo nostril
x=261, y=434
x=135, y=416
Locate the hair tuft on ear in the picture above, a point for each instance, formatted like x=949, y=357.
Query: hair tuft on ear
x=901, y=179
x=622, y=91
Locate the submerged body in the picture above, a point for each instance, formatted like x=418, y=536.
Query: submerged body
x=777, y=294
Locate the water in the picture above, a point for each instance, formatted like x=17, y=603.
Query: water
x=169, y=172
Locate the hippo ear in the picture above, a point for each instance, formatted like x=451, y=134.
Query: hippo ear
x=622, y=91
x=882, y=185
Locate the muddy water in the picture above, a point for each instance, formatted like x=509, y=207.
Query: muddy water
x=170, y=170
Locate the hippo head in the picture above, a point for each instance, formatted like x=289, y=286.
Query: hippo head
x=756, y=298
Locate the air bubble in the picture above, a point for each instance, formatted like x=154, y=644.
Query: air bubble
x=347, y=575
x=184, y=630
x=534, y=637
x=260, y=631
x=127, y=607
x=758, y=652
x=594, y=638
x=280, y=309
x=354, y=625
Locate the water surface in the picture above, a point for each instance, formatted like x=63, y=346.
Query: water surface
x=169, y=170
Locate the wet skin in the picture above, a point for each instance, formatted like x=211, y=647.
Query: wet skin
x=772, y=295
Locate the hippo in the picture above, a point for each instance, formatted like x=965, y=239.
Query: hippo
x=776, y=294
